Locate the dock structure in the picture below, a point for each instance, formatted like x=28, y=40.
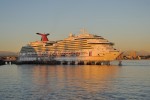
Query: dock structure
x=54, y=62
x=8, y=60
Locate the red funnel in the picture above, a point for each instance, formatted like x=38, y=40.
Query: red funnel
x=43, y=36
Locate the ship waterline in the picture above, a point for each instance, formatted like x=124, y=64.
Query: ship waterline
x=82, y=47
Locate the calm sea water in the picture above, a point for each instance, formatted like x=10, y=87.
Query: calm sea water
x=46, y=82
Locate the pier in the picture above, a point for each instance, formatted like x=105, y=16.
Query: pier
x=54, y=62
x=13, y=60
x=8, y=60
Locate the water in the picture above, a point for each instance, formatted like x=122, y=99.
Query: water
x=73, y=82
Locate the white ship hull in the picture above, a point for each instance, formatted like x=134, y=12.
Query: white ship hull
x=107, y=57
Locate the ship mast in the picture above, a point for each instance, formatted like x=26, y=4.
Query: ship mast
x=84, y=31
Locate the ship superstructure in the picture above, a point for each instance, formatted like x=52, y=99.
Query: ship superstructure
x=81, y=47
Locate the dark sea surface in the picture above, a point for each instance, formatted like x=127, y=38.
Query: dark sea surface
x=76, y=82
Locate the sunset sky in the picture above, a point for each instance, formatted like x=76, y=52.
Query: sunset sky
x=124, y=22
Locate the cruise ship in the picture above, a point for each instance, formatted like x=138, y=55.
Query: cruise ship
x=81, y=47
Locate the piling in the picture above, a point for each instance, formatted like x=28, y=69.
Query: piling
x=120, y=63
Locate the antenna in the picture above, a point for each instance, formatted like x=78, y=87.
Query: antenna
x=84, y=31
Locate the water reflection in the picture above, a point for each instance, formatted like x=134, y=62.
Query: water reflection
x=43, y=82
x=88, y=78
